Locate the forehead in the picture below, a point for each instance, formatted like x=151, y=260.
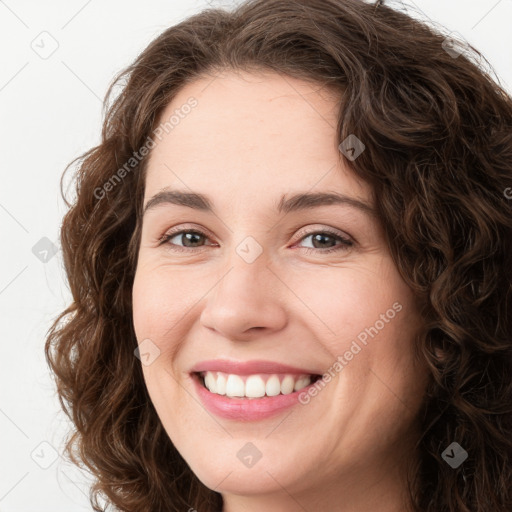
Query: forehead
x=250, y=134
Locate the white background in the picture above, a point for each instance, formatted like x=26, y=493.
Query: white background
x=50, y=113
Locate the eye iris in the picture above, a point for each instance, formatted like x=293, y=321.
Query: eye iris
x=188, y=235
x=322, y=236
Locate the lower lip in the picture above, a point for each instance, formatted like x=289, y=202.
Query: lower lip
x=245, y=409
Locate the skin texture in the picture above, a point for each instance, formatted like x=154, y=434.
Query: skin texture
x=250, y=139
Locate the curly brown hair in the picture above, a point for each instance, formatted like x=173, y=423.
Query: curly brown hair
x=438, y=135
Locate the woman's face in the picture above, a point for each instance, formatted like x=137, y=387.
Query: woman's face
x=269, y=283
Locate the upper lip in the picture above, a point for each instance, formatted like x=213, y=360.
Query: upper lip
x=248, y=367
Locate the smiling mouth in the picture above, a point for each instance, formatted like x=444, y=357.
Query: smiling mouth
x=259, y=385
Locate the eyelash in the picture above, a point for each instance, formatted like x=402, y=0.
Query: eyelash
x=345, y=242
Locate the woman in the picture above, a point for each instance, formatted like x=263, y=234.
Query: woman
x=216, y=355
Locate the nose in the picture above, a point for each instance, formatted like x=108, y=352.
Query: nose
x=247, y=303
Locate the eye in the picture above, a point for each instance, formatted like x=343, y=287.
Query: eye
x=190, y=238
x=186, y=236
x=318, y=238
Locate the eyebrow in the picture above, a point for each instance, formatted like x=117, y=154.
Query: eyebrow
x=296, y=202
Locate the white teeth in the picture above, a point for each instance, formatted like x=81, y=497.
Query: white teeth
x=287, y=385
x=254, y=386
x=234, y=386
x=273, y=386
x=301, y=382
x=221, y=384
x=210, y=382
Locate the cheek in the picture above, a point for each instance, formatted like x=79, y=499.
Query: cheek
x=160, y=299
x=154, y=315
x=164, y=303
x=146, y=304
x=157, y=311
x=364, y=314
x=348, y=300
